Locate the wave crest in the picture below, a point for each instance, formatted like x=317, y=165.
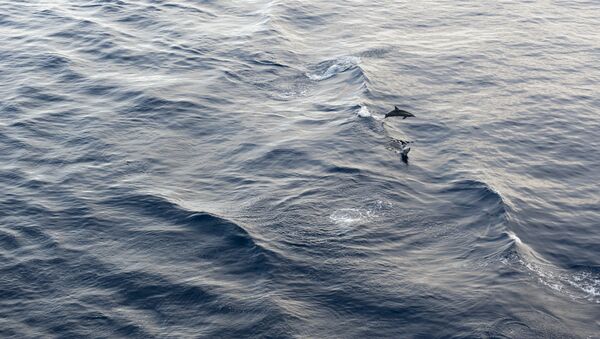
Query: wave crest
x=578, y=284
x=329, y=69
x=221, y=240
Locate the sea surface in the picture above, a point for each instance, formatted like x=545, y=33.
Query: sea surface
x=222, y=169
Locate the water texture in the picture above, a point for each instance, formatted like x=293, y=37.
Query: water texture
x=222, y=169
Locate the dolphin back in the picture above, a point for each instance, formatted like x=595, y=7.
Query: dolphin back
x=399, y=113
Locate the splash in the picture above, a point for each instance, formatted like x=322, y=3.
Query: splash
x=364, y=112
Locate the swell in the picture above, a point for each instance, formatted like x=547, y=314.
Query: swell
x=478, y=218
x=330, y=68
x=476, y=203
x=480, y=207
x=223, y=241
x=85, y=294
x=474, y=192
x=577, y=283
x=65, y=260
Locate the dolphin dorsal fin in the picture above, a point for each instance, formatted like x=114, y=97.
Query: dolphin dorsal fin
x=396, y=108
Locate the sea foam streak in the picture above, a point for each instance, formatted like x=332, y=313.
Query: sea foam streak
x=577, y=285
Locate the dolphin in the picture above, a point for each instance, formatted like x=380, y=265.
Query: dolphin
x=401, y=147
x=399, y=113
x=404, y=154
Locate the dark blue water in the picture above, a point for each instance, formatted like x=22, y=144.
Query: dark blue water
x=222, y=169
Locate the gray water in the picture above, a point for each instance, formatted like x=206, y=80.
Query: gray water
x=223, y=169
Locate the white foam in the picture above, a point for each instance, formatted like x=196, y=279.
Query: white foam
x=586, y=282
x=360, y=215
x=515, y=238
x=364, y=112
x=341, y=65
x=577, y=285
x=348, y=216
x=292, y=93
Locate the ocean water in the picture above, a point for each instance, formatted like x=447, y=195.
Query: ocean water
x=182, y=169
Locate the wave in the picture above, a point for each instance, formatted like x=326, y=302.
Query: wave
x=473, y=194
x=331, y=68
x=576, y=284
x=282, y=81
x=494, y=213
x=223, y=240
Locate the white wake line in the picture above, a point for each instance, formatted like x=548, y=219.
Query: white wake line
x=576, y=285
